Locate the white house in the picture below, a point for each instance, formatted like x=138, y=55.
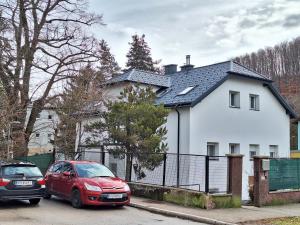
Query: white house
x=41, y=139
x=219, y=109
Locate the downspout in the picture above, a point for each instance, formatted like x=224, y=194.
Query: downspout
x=178, y=145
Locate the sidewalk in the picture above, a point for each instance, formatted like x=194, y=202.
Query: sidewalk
x=217, y=216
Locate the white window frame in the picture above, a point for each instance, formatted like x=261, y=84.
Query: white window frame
x=236, y=99
x=256, y=102
x=253, y=148
x=274, y=150
x=215, y=150
x=234, y=148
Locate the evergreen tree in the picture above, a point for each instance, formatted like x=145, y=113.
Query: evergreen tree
x=139, y=55
x=136, y=125
x=108, y=65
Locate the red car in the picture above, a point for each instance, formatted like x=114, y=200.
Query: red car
x=86, y=183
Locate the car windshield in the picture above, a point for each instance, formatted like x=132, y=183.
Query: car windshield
x=91, y=170
x=27, y=171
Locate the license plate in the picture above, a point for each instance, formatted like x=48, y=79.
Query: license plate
x=114, y=196
x=23, y=183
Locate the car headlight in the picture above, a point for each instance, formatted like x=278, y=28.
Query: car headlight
x=126, y=188
x=92, y=187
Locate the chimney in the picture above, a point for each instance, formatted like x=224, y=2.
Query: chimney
x=170, y=69
x=187, y=66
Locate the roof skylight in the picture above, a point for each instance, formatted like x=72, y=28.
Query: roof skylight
x=187, y=90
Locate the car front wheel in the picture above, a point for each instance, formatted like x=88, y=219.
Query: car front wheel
x=76, y=199
x=34, y=201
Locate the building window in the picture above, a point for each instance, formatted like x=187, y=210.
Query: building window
x=273, y=151
x=234, y=148
x=38, y=116
x=186, y=90
x=234, y=99
x=254, y=102
x=37, y=135
x=254, y=150
x=50, y=117
x=213, y=150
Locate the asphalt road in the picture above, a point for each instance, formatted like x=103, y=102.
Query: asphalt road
x=60, y=212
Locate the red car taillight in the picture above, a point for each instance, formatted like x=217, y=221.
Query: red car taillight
x=41, y=181
x=4, y=182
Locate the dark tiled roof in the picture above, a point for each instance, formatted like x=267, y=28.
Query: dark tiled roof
x=204, y=79
x=142, y=77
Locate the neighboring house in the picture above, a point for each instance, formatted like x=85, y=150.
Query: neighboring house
x=296, y=153
x=298, y=134
x=42, y=137
x=221, y=109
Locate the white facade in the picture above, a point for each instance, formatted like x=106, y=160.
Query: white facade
x=43, y=132
x=213, y=121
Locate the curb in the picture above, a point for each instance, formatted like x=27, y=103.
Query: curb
x=179, y=215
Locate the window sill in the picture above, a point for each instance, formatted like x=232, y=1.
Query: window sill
x=234, y=107
x=254, y=109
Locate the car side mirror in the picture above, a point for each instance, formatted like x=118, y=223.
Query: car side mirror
x=67, y=174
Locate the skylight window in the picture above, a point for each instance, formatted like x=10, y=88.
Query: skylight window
x=187, y=90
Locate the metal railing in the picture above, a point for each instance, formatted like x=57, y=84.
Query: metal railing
x=195, y=172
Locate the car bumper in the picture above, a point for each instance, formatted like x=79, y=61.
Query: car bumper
x=21, y=194
x=96, y=198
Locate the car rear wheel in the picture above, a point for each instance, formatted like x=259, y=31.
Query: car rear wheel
x=34, y=201
x=47, y=195
x=76, y=199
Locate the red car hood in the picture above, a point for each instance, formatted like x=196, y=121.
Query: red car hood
x=105, y=182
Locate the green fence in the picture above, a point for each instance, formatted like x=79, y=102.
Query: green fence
x=284, y=174
x=42, y=161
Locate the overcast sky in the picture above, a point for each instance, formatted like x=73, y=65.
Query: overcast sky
x=209, y=30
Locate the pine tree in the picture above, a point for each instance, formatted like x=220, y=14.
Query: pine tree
x=108, y=64
x=137, y=125
x=139, y=55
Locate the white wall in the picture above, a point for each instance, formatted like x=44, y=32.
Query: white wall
x=44, y=127
x=212, y=120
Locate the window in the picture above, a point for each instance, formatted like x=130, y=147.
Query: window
x=37, y=135
x=234, y=148
x=234, y=99
x=38, y=116
x=212, y=149
x=273, y=151
x=254, y=102
x=50, y=117
x=57, y=168
x=162, y=92
x=187, y=90
x=254, y=150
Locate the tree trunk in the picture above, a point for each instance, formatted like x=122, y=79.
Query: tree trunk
x=128, y=167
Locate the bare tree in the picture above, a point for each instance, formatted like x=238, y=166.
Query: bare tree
x=81, y=96
x=46, y=42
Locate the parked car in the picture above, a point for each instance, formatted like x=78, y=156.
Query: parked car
x=86, y=183
x=21, y=181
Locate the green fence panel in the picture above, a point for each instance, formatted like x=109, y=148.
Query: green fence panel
x=284, y=174
x=42, y=161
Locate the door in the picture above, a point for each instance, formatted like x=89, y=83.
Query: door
x=54, y=177
x=66, y=182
